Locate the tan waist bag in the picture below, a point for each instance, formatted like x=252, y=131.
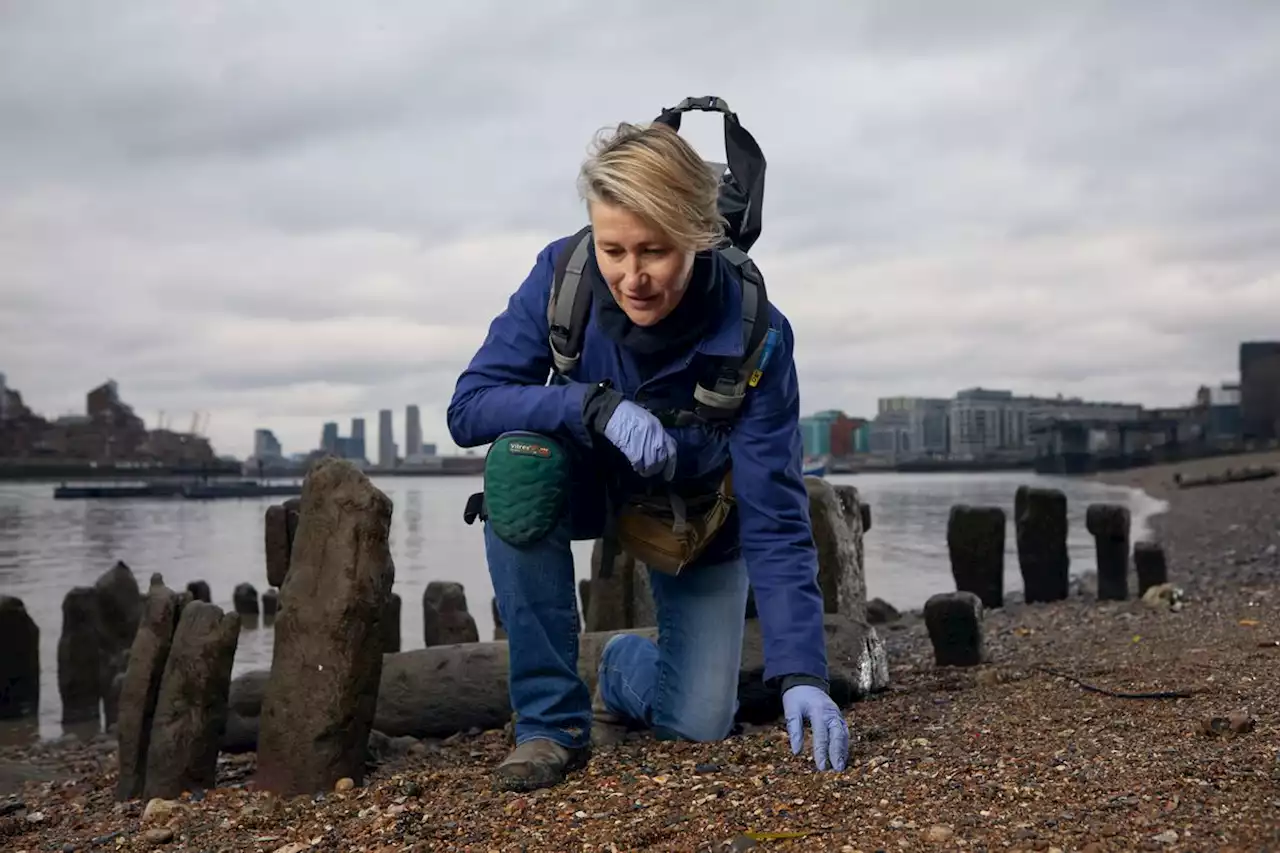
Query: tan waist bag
x=668, y=532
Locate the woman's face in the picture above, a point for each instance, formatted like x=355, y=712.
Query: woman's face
x=646, y=273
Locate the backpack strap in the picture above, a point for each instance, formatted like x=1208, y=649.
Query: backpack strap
x=569, y=303
x=733, y=375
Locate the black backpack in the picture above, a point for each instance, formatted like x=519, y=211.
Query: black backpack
x=719, y=395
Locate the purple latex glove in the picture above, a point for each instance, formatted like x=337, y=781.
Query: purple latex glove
x=830, y=732
x=642, y=438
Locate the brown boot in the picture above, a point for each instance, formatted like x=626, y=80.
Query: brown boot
x=607, y=728
x=538, y=763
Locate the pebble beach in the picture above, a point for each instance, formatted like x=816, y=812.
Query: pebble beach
x=1095, y=726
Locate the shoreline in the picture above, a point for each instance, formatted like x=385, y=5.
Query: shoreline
x=1002, y=756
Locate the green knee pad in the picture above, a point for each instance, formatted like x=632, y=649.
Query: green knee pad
x=526, y=486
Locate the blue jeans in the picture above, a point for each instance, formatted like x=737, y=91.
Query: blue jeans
x=685, y=686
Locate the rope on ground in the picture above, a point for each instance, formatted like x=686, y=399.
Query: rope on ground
x=1159, y=694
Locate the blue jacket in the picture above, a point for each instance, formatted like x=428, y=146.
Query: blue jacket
x=504, y=389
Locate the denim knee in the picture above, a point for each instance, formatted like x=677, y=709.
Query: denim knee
x=710, y=722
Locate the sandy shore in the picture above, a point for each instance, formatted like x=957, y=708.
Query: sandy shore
x=1006, y=756
x=1157, y=480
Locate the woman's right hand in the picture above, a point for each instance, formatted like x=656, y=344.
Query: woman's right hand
x=643, y=439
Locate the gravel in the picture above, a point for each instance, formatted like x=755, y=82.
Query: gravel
x=1015, y=755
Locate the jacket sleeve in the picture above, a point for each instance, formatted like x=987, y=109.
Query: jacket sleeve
x=773, y=517
x=504, y=387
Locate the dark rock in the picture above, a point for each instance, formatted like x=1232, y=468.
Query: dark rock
x=277, y=545
x=880, y=611
x=321, y=699
x=200, y=592
x=80, y=654
x=445, y=619
x=624, y=599
x=191, y=710
x=245, y=599
x=837, y=533
x=954, y=622
x=1041, y=521
x=975, y=544
x=499, y=632
x=1109, y=526
x=141, y=686
x=391, y=625
x=1150, y=565
x=19, y=662
x=270, y=602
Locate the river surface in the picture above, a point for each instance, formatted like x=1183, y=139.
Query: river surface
x=48, y=546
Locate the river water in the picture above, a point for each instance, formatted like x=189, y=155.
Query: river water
x=48, y=546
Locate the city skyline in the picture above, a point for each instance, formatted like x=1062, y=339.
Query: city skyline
x=1028, y=205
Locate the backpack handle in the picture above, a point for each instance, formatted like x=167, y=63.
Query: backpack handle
x=706, y=104
x=746, y=164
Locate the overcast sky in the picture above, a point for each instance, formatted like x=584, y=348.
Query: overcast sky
x=286, y=213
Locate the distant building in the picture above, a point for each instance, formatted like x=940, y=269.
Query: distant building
x=995, y=423
x=412, y=431
x=386, y=440
x=889, y=434
x=1260, y=390
x=924, y=431
x=830, y=433
x=4, y=398
x=357, y=439
x=329, y=438
x=266, y=447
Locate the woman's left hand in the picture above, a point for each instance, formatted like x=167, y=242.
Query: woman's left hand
x=830, y=732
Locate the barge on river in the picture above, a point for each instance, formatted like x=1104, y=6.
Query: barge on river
x=177, y=489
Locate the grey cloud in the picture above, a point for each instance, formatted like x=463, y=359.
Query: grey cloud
x=294, y=213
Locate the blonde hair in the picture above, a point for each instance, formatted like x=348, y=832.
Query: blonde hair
x=652, y=172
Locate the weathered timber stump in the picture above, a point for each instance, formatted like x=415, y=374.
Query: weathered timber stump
x=119, y=611
x=1150, y=565
x=141, y=686
x=391, y=625
x=276, y=543
x=836, y=517
x=1109, y=526
x=244, y=599
x=975, y=544
x=445, y=619
x=19, y=660
x=270, y=603
x=881, y=612
x=499, y=632
x=80, y=657
x=200, y=592
x=1042, y=543
x=191, y=708
x=322, y=695
x=621, y=601
x=954, y=622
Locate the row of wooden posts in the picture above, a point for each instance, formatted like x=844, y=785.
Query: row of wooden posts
x=976, y=546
